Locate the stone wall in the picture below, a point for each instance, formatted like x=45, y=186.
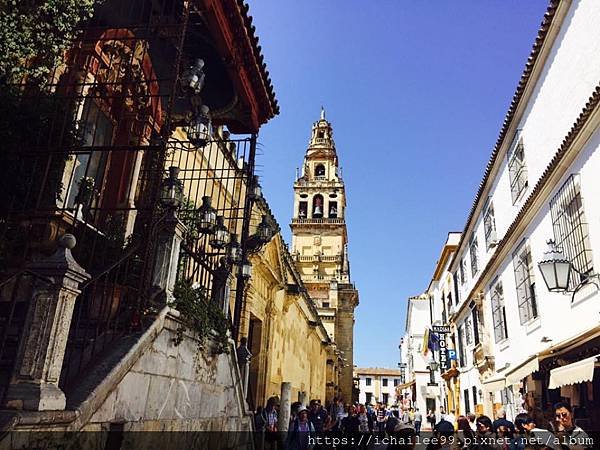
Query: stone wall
x=170, y=383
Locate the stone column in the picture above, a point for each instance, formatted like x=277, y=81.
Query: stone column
x=34, y=383
x=167, y=255
x=285, y=406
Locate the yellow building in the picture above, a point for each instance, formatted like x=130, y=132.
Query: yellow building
x=286, y=337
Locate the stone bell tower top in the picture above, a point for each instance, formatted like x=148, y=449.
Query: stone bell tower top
x=321, y=144
x=320, y=248
x=318, y=224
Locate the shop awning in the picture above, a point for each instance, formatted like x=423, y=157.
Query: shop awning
x=527, y=368
x=405, y=385
x=577, y=372
x=494, y=384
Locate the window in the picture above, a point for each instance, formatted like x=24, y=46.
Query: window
x=517, y=170
x=468, y=331
x=570, y=228
x=302, y=209
x=455, y=282
x=384, y=382
x=525, y=283
x=475, y=317
x=369, y=397
x=489, y=225
x=467, y=401
x=475, y=399
x=395, y=382
x=318, y=206
x=368, y=381
x=461, y=347
x=499, y=312
x=325, y=304
x=463, y=271
x=319, y=170
x=333, y=211
x=473, y=254
x=385, y=398
x=84, y=181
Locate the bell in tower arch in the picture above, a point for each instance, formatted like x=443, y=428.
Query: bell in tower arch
x=318, y=206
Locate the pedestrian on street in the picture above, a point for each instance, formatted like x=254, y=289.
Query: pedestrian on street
x=527, y=434
x=464, y=431
x=570, y=435
x=300, y=432
x=431, y=419
x=350, y=423
x=270, y=416
x=365, y=420
x=501, y=421
x=317, y=415
x=381, y=419
x=472, y=417
x=484, y=438
x=418, y=421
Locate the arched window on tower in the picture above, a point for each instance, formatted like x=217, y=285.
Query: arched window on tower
x=319, y=170
x=302, y=210
x=317, y=206
x=333, y=211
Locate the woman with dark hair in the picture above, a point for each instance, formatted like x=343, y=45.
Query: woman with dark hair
x=465, y=433
x=484, y=437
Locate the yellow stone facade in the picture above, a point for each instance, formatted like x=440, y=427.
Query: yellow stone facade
x=285, y=334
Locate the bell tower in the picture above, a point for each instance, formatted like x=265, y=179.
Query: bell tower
x=320, y=248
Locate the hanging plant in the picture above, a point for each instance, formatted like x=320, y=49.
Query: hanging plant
x=201, y=316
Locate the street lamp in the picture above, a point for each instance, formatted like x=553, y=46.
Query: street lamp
x=193, y=77
x=246, y=269
x=207, y=217
x=433, y=366
x=221, y=236
x=556, y=271
x=171, y=192
x=235, y=250
x=198, y=131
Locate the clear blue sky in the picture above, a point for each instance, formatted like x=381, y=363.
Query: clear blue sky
x=416, y=92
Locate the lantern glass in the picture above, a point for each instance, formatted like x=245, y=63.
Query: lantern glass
x=246, y=269
x=171, y=195
x=207, y=217
x=556, y=269
x=433, y=365
x=556, y=274
x=235, y=250
x=263, y=231
x=199, y=129
x=221, y=236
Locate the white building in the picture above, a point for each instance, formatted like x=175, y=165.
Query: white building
x=542, y=182
x=377, y=385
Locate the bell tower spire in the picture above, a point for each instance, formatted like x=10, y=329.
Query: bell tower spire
x=320, y=245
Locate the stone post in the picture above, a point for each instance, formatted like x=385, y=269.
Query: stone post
x=167, y=255
x=285, y=406
x=34, y=383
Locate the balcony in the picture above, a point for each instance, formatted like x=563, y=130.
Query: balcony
x=482, y=358
x=319, y=221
